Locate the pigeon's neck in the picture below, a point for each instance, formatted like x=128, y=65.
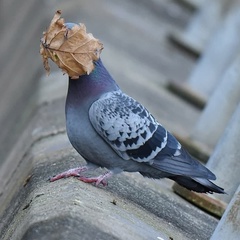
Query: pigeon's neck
x=88, y=88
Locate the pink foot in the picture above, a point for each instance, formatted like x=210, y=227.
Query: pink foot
x=74, y=172
x=102, y=179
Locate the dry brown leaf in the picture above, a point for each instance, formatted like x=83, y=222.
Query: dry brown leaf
x=73, y=50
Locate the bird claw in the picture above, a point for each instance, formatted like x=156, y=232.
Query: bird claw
x=93, y=180
x=102, y=179
x=74, y=172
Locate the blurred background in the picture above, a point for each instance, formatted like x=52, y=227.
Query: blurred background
x=134, y=34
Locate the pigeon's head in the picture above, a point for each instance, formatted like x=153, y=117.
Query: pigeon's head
x=70, y=47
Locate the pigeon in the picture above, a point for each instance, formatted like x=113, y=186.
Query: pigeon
x=109, y=129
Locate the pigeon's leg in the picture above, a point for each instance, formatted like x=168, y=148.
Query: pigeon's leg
x=102, y=179
x=74, y=172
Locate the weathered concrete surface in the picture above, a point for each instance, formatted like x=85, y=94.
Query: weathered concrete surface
x=20, y=67
x=202, y=26
x=225, y=158
x=220, y=50
x=145, y=209
x=220, y=106
x=228, y=227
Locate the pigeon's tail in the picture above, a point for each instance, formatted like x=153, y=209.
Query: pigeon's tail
x=186, y=171
x=198, y=184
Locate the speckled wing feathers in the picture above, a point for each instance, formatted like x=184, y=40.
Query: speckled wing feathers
x=134, y=134
x=127, y=126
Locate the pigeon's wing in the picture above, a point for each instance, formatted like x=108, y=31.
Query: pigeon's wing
x=134, y=134
x=127, y=127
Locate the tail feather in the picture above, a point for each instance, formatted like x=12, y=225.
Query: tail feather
x=183, y=164
x=200, y=185
x=177, y=164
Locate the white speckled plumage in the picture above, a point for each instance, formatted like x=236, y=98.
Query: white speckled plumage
x=125, y=125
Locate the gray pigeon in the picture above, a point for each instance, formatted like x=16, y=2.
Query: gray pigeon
x=112, y=130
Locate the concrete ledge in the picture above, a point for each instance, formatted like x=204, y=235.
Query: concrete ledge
x=184, y=92
x=20, y=68
x=179, y=39
x=192, y=4
x=130, y=207
x=204, y=201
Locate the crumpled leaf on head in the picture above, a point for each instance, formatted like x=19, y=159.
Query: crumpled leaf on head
x=72, y=49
